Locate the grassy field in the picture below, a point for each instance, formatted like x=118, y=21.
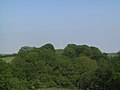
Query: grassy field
x=59, y=52
x=8, y=59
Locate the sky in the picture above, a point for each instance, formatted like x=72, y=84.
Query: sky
x=59, y=22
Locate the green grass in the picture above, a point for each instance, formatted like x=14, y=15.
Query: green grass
x=59, y=51
x=8, y=59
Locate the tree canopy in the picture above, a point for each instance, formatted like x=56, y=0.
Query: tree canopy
x=77, y=66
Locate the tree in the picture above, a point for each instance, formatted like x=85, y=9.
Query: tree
x=85, y=72
x=81, y=66
x=5, y=75
x=49, y=46
x=108, y=74
x=24, y=51
x=96, y=53
x=103, y=74
x=118, y=53
x=115, y=79
x=84, y=50
x=17, y=84
x=70, y=51
x=63, y=72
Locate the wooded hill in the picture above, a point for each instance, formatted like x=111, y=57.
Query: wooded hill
x=76, y=66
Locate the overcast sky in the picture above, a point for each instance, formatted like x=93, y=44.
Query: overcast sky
x=60, y=22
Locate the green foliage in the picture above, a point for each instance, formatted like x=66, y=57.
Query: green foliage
x=85, y=70
x=108, y=74
x=53, y=88
x=70, y=51
x=7, y=81
x=115, y=79
x=74, y=51
x=5, y=75
x=118, y=53
x=84, y=50
x=63, y=71
x=103, y=74
x=49, y=46
x=24, y=51
x=77, y=66
x=96, y=53
x=17, y=84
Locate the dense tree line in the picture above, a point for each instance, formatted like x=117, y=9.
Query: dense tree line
x=77, y=66
x=8, y=55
